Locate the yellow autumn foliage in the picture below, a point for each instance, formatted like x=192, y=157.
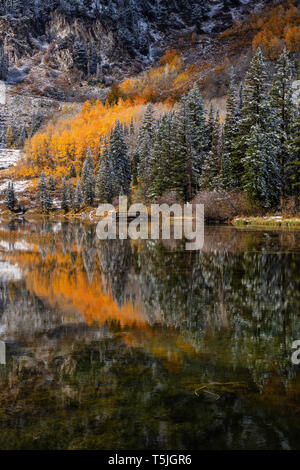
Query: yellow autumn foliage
x=66, y=139
x=270, y=29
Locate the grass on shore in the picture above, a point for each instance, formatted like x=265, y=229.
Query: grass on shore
x=272, y=221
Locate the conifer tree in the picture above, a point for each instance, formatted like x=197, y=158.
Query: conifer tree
x=261, y=170
x=10, y=200
x=197, y=137
x=64, y=196
x=78, y=198
x=144, y=147
x=240, y=100
x=119, y=160
x=184, y=175
x=294, y=152
x=4, y=63
x=44, y=194
x=71, y=195
x=104, y=180
x=80, y=56
x=211, y=171
x=131, y=127
x=282, y=110
x=255, y=112
x=162, y=173
x=182, y=153
x=51, y=183
x=72, y=173
x=22, y=136
x=210, y=125
x=231, y=130
x=134, y=167
x=88, y=180
x=35, y=123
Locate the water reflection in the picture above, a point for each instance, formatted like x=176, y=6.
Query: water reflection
x=119, y=344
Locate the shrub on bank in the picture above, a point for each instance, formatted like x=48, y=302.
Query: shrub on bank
x=225, y=205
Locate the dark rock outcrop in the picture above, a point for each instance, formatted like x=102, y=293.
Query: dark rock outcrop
x=104, y=37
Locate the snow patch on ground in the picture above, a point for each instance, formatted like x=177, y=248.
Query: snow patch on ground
x=16, y=246
x=19, y=186
x=9, y=271
x=9, y=158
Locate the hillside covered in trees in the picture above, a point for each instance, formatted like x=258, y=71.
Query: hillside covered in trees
x=183, y=150
x=163, y=135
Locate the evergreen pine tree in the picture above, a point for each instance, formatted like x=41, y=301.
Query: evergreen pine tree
x=78, y=198
x=181, y=158
x=210, y=125
x=10, y=200
x=240, y=100
x=131, y=127
x=261, y=178
x=294, y=152
x=4, y=64
x=163, y=177
x=35, y=123
x=211, y=171
x=231, y=131
x=64, y=196
x=71, y=195
x=282, y=110
x=104, y=180
x=88, y=180
x=255, y=112
x=72, y=173
x=22, y=137
x=198, y=14
x=119, y=160
x=134, y=167
x=144, y=147
x=197, y=137
x=44, y=194
x=80, y=56
x=255, y=93
x=51, y=183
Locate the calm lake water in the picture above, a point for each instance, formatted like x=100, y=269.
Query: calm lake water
x=142, y=345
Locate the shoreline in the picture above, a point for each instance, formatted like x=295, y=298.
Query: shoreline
x=271, y=222
x=89, y=215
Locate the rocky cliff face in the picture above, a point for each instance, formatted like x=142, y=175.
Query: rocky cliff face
x=56, y=52
x=103, y=39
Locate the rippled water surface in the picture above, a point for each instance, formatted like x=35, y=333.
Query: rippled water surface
x=142, y=345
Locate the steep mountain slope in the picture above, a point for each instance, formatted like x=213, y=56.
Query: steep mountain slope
x=58, y=52
x=104, y=39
